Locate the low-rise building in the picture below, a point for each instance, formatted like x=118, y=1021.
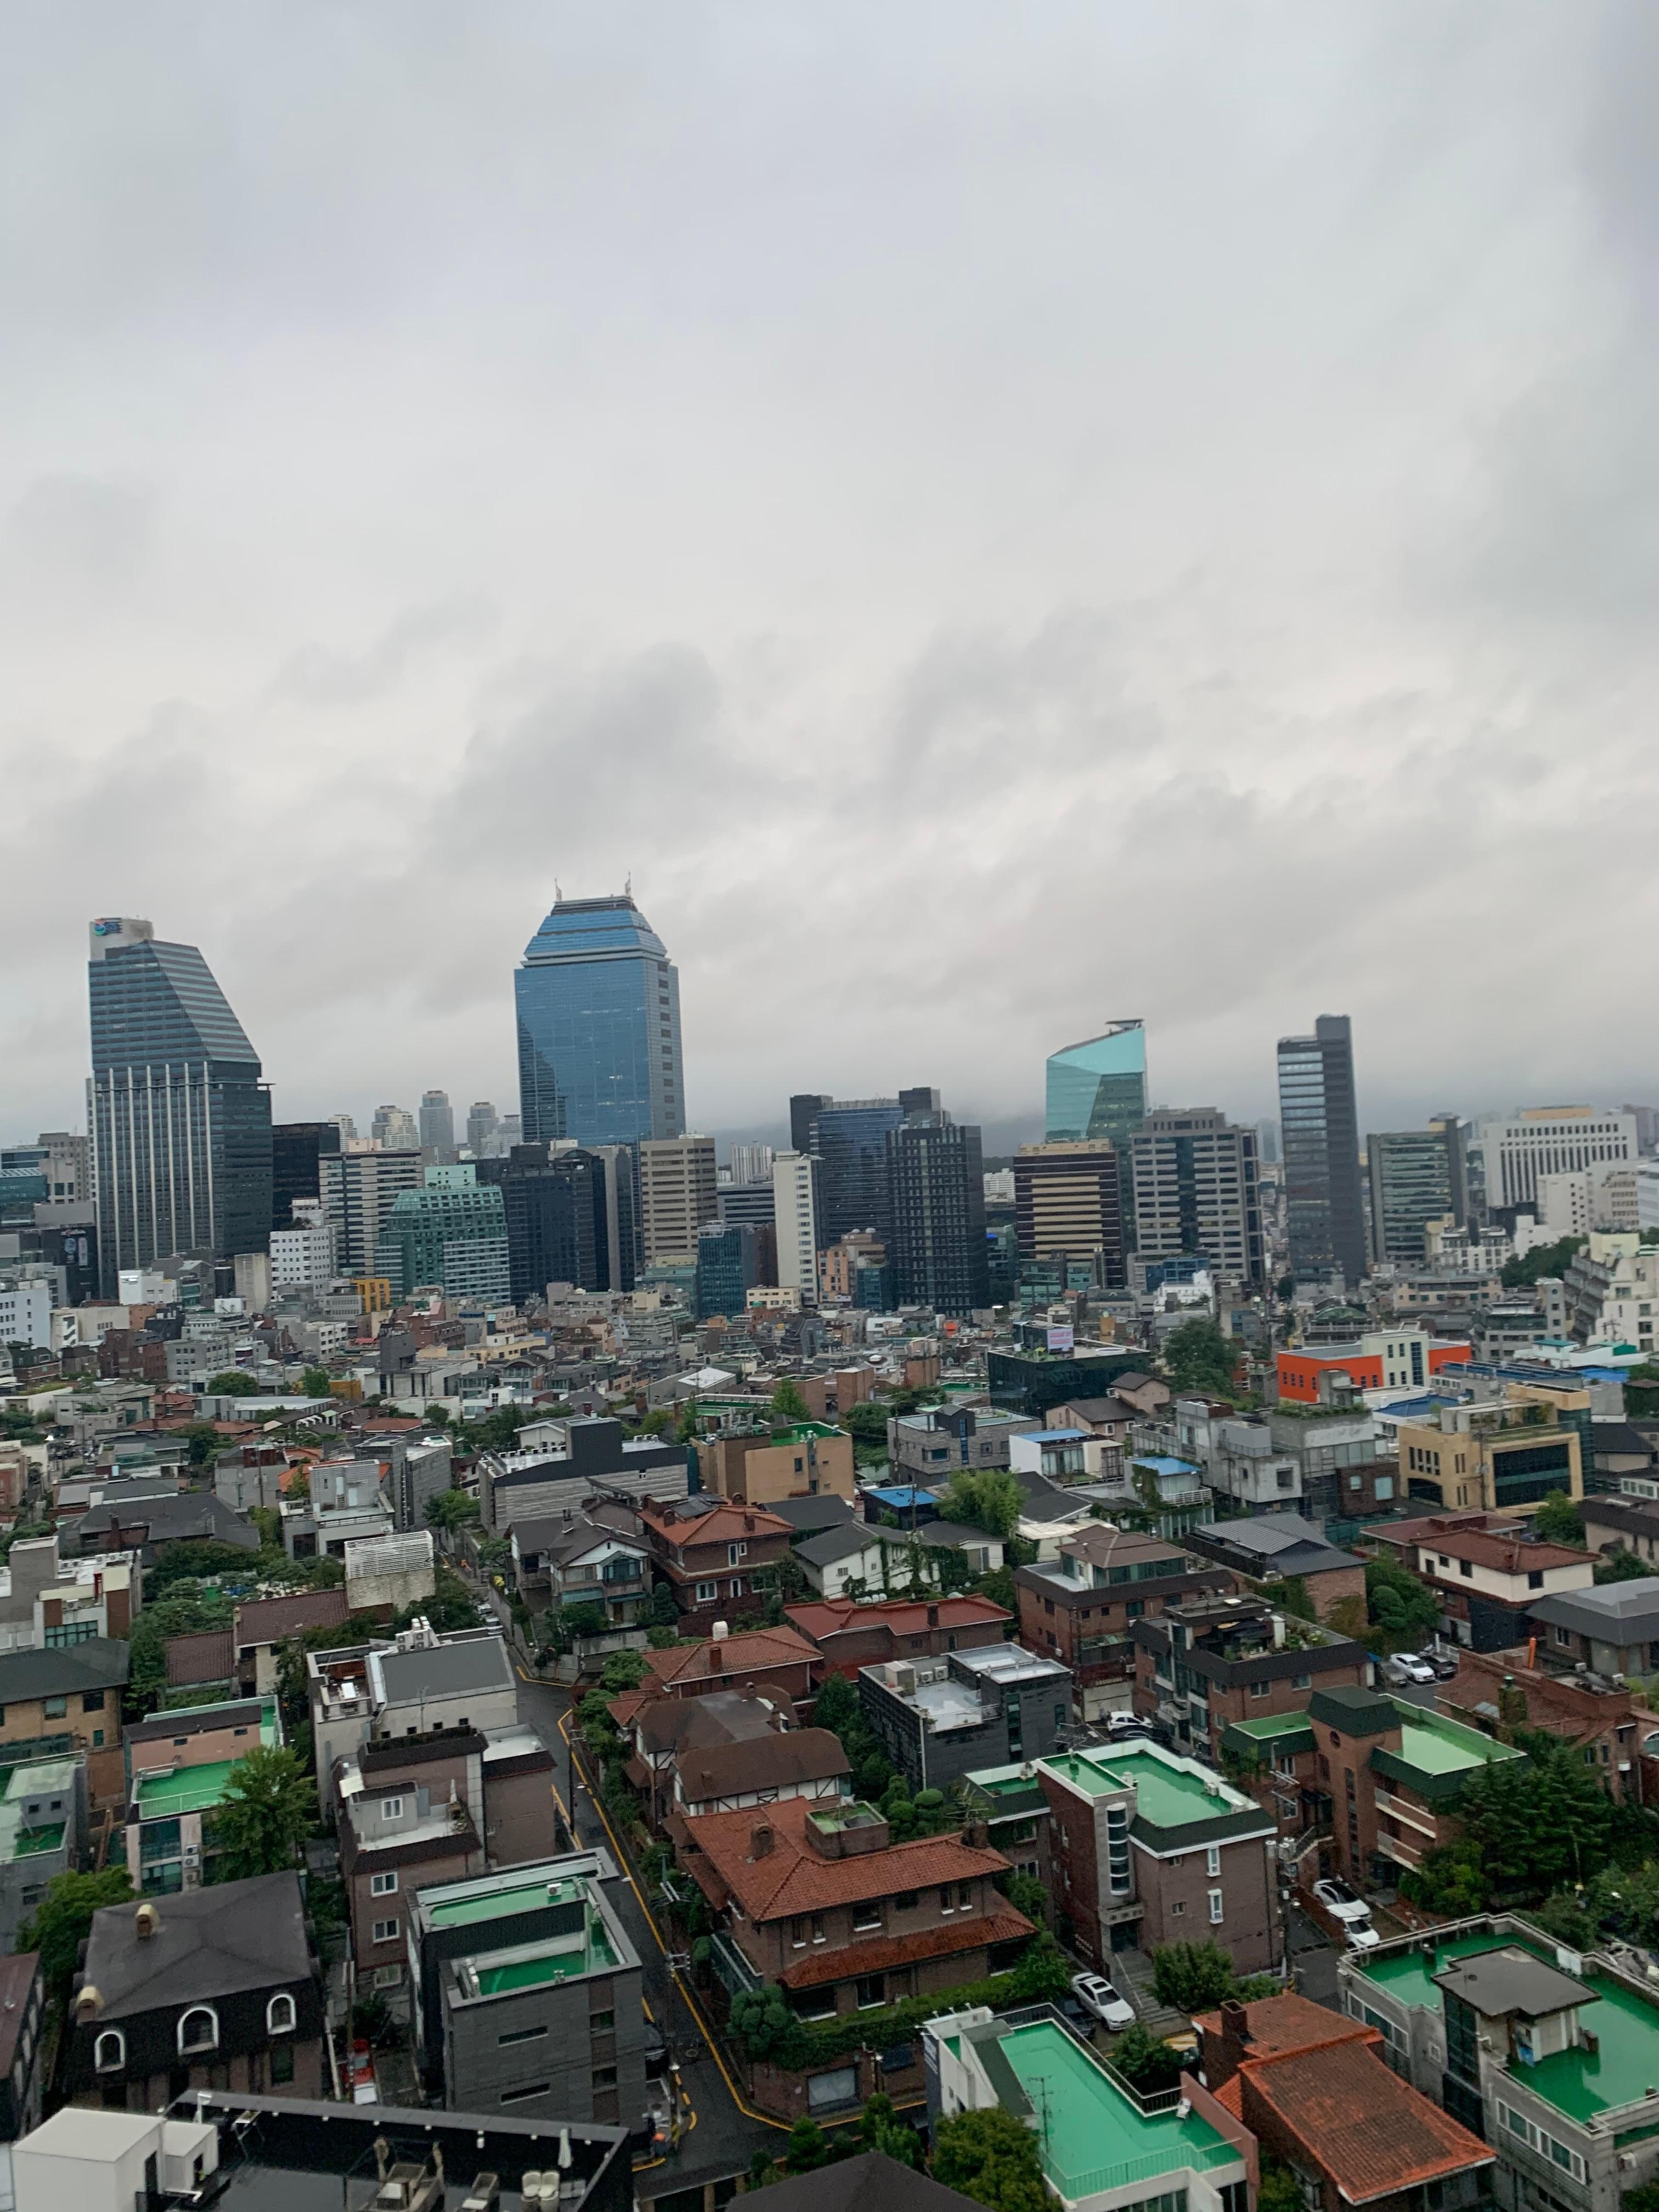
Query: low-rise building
x=931, y=1445
x=1499, y=1690
x=1150, y=1848
x=23, y=2049
x=415, y=1682
x=938, y=1719
x=1381, y=1359
x=218, y=1987
x=1211, y=1661
x=527, y=1995
x=714, y=1556
x=1487, y=1582
x=764, y=1465
x=65, y=1701
x=847, y=1634
x=46, y=1601
x=1498, y=1456
x=1103, y=2148
x=659, y=1730
x=598, y=1558
x=1629, y=1523
x=779, y=1662
x=181, y=1762
x=1080, y=1607
x=43, y=1830
x=1551, y=2056
x=1284, y=1547
x=1610, y=1630
x=1320, y=2094
x=1010, y=1801
x=594, y=1458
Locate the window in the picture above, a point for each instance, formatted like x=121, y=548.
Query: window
x=818, y=1928
x=383, y=1884
x=1260, y=1689
x=866, y=1916
x=280, y=2015
x=55, y=1708
x=109, y=2053
x=798, y=1934
x=1466, y=1568
x=198, y=2029
x=605, y=2077
x=1215, y=1907
x=92, y=1701
x=1176, y=1908
x=946, y=1899
x=281, y=2062
x=707, y=1593
x=391, y=1808
x=388, y=1977
x=521, y=2035
x=386, y=1931
x=871, y=1991
x=1535, y=1580
x=905, y=1901
x=1538, y=2139
x=522, y=2096
x=964, y=1897
x=601, y=2023
x=1212, y=1859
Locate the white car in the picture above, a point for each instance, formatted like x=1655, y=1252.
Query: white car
x=1095, y=1995
x=1341, y=1902
x=1407, y=1667
x=1360, y=1935
x=1127, y=1724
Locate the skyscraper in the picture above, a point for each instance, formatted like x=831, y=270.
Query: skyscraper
x=598, y=1013
x=847, y=1138
x=1098, y=1088
x=802, y=1111
x=296, y=1153
x=438, y=1126
x=936, y=1171
x=557, y=1224
x=395, y=1128
x=1068, y=1203
x=180, y=1119
x=794, y=1221
x=1325, y=1212
x=359, y=1190
x=480, y=1124
x=1197, y=1189
x=677, y=1195
x=1411, y=1184
x=450, y=1235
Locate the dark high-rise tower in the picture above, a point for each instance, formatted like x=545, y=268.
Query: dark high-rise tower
x=181, y=1120
x=1325, y=1212
x=557, y=1226
x=938, y=1251
x=598, y=1007
x=297, y=1150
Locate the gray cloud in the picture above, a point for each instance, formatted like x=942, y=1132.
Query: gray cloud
x=995, y=524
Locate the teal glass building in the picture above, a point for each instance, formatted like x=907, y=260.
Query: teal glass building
x=599, y=1014
x=180, y=1119
x=1098, y=1088
x=450, y=1235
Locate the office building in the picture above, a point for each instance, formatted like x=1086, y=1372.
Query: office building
x=296, y=1154
x=438, y=1127
x=728, y=1268
x=359, y=1190
x=1197, y=1192
x=304, y=1255
x=480, y=1121
x=557, y=1218
x=803, y=1109
x=181, y=1120
x=1325, y=1210
x=1068, y=1203
x=849, y=1140
x=449, y=1235
x=394, y=1129
x=1412, y=1185
x=1097, y=1088
x=750, y=1163
x=599, y=1019
x=621, y=1213
x=677, y=1195
x=936, y=1178
x=795, y=1222
x=1516, y=1149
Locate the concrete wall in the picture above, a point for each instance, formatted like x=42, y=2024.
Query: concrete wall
x=565, y=2042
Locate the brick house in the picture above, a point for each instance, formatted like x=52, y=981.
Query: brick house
x=848, y=1635
x=1079, y=1609
x=61, y=1700
x=817, y=1900
x=712, y=1554
x=660, y=1729
x=778, y=1661
x=1486, y=1579
x=1499, y=1688
x=1318, y=2092
x=1210, y=1662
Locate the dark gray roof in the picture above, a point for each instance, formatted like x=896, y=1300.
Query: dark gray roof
x=809, y=1515
x=843, y=1543
x=1619, y=1439
x=726, y=1717
x=951, y=1533
x=99, y=1664
x=872, y=2183
x=559, y=1539
x=1617, y=1612
x=186, y=1514
x=244, y=1712
x=1281, y=1540
x=445, y=1670
x=1512, y=1980
x=232, y=1936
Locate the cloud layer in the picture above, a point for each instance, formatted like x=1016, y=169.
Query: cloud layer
x=997, y=521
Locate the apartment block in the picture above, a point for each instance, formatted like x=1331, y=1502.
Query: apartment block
x=1196, y=1192
x=1080, y=1607
x=677, y=1195
x=1211, y=1661
x=937, y=1720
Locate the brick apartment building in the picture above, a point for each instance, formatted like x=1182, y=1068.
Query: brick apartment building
x=1080, y=1607
x=1499, y=1688
x=807, y=1459
x=712, y=1554
x=848, y=1635
x=1211, y=1661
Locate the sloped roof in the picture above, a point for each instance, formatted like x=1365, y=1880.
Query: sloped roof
x=772, y=1761
x=211, y=1658
x=1371, y=2132
x=99, y=1663
x=753, y=1651
x=871, y=2183
x=791, y=1878
x=901, y=1616
x=232, y=1936
x=844, y=1542
x=726, y=1717
x=707, y=1519
x=883, y=1956
x=1504, y=1555
x=269, y=1620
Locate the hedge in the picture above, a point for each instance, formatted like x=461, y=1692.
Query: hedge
x=880, y=2030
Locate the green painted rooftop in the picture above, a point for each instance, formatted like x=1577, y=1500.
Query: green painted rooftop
x=1408, y=1975
x=1624, y=2070
x=186, y=1789
x=1168, y=1795
x=32, y=1841
x=497, y=1903
x=1272, y=1724
x=1442, y=1747
x=1093, y=2137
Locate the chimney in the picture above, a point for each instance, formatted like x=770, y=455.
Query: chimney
x=761, y=1840
x=1234, y=2021
x=145, y=1921
x=717, y=1650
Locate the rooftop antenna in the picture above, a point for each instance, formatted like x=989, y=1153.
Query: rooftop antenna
x=627, y=884
x=557, y=893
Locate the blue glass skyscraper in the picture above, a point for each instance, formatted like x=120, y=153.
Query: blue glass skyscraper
x=1098, y=1088
x=181, y=1121
x=598, y=1007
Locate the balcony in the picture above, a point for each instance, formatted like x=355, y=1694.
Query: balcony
x=1402, y=1853
x=1412, y=1815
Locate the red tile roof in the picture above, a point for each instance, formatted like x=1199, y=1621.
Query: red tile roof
x=1505, y=1555
x=791, y=1878
x=882, y=1956
x=1289, y=2022
x=732, y=1657
x=269, y=1620
x=208, y=1657
x=725, y=1522
x=900, y=1616
x=1371, y=2132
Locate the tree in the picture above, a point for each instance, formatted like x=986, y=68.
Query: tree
x=1628, y=1897
x=1197, y=1357
x=762, y=2021
x=1405, y=1610
x=880, y=2128
x=186, y=1609
x=787, y=1405
x=663, y=1611
x=808, y=2147
x=1557, y=1520
x=267, y=1810
x=1622, y=1567
x=992, y=2157
x=233, y=1383
x=1565, y=1917
x=1280, y=2191
x=584, y=1618
x=315, y=1383
x=1027, y=1895
x=194, y=1562
x=622, y=1670
x=1540, y=1823
x=452, y=1508
x=61, y=1921
x=991, y=1500
x=1146, y=2060
x=1191, y=1976
x=867, y=1424
x=202, y=1441
x=1043, y=1971
x=1450, y=1881
x=1520, y=1274
x=685, y=1425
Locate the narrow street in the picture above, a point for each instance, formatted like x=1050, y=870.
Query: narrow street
x=722, y=2139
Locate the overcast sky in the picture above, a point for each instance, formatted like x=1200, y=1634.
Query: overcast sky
x=1001, y=519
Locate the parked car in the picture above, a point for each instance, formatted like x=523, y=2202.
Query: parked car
x=1097, y=1995
x=1341, y=1902
x=1360, y=1935
x=1443, y=1662
x=1126, y=1723
x=1407, y=1667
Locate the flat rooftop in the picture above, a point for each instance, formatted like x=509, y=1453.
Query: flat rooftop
x=1093, y=2138
x=496, y=1904
x=1169, y=1792
x=186, y=1789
